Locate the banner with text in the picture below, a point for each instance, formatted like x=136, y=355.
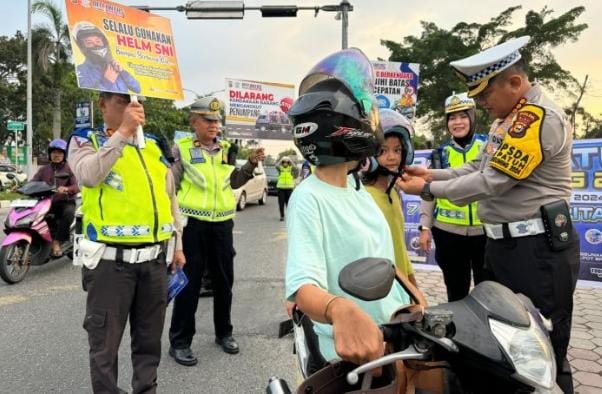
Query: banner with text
x=586, y=208
x=257, y=110
x=123, y=50
x=397, y=86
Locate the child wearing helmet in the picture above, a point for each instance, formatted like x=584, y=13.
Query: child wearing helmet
x=380, y=176
x=457, y=231
x=331, y=219
x=57, y=173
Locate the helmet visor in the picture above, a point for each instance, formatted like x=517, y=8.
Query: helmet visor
x=352, y=68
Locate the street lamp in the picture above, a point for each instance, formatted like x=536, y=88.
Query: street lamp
x=236, y=10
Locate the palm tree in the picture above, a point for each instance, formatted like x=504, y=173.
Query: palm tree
x=53, y=49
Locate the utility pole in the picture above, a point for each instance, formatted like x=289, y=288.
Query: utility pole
x=28, y=144
x=574, y=114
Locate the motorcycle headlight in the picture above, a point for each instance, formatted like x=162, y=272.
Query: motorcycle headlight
x=25, y=221
x=530, y=352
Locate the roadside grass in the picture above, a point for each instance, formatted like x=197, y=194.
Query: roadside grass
x=10, y=196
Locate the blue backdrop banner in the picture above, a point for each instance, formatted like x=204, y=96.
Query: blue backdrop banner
x=586, y=208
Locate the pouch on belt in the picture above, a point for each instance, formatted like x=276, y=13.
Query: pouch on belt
x=87, y=253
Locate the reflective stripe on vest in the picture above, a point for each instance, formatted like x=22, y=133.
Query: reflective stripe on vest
x=131, y=205
x=285, y=178
x=448, y=212
x=205, y=191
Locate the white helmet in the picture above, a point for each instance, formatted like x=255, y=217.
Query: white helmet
x=458, y=102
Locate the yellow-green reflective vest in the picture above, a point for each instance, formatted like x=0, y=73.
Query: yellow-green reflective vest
x=205, y=192
x=131, y=205
x=285, y=178
x=454, y=156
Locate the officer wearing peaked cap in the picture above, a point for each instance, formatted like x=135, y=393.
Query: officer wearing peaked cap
x=522, y=180
x=205, y=179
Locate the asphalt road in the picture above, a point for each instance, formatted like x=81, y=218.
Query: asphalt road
x=43, y=347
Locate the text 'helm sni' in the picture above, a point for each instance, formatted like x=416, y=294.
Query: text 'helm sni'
x=335, y=119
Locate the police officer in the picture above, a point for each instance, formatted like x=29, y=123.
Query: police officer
x=458, y=233
x=523, y=181
x=286, y=182
x=129, y=214
x=205, y=181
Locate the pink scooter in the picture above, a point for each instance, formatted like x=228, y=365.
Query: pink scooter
x=28, y=240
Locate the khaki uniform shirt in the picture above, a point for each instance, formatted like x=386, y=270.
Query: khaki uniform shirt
x=91, y=167
x=503, y=199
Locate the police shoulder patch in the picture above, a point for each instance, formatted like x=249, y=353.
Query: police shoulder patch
x=520, y=152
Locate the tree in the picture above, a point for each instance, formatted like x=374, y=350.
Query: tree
x=436, y=47
x=12, y=72
x=53, y=50
x=290, y=153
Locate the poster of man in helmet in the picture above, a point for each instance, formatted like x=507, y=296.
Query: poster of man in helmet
x=123, y=50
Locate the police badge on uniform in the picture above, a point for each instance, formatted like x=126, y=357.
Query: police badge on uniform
x=196, y=156
x=521, y=123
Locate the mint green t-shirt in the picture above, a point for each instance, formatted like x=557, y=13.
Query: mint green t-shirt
x=328, y=228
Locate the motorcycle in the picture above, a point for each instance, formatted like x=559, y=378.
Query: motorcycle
x=492, y=341
x=28, y=240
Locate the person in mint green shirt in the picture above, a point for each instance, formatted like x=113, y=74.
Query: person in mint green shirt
x=380, y=177
x=332, y=220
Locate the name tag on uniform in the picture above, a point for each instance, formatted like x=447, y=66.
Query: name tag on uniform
x=196, y=156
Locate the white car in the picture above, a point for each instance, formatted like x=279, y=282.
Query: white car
x=255, y=190
x=19, y=176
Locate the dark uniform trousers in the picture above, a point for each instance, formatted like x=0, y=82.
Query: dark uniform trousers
x=457, y=255
x=204, y=243
x=283, y=196
x=116, y=290
x=527, y=265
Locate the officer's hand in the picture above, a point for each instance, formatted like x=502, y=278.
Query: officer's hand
x=425, y=241
x=256, y=155
x=110, y=73
x=179, y=260
x=133, y=116
x=410, y=184
x=419, y=171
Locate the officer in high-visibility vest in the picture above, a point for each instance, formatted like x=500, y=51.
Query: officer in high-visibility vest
x=457, y=230
x=205, y=181
x=129, y=214
x=287, y=173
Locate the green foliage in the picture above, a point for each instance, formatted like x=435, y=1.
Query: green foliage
x=436, y=47
x=163, y=117
x=269, y=160
x=291, y=153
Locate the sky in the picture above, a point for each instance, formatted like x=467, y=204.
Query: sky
x=284, y=49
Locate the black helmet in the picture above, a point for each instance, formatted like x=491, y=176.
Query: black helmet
x=335, y=118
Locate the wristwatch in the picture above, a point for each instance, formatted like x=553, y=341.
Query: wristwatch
x=426, y=194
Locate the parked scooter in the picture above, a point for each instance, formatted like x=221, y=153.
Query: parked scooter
x=28, y=240
x=492, y=341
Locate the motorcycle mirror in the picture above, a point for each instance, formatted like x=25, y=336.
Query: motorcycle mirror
x=62, y=175
x=368, y=279
x=10, y=176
